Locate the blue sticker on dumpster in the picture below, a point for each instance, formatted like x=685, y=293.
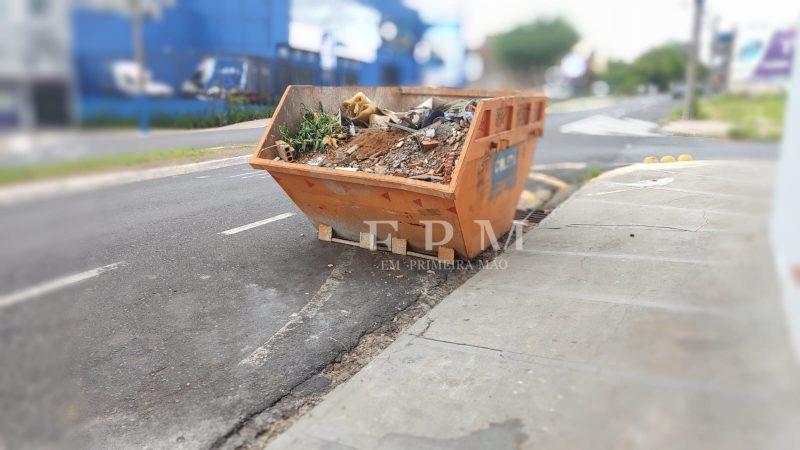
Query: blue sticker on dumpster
x=504, y=170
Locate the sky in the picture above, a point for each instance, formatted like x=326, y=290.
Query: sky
x=620, y=29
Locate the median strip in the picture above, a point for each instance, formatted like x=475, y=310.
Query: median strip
x=256, y=224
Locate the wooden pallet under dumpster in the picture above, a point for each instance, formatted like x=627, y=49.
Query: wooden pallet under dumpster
x=488, y=179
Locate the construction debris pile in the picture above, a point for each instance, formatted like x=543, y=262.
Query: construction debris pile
x=422, y=143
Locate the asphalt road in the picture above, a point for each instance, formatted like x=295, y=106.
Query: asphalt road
x=146, y=315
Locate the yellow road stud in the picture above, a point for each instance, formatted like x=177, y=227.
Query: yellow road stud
x=685, y=157
x=667, y=159
x=650, y=160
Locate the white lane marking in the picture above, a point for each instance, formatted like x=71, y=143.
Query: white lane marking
x=250, y=175
x=50, y=286
x=560, y=166
x=325, y=292
x=602, y=125
x=244, y=174
x=202, y=176
x=256, y=224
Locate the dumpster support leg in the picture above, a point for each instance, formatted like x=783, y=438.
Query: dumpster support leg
x=368, y=241
x=324, y=232
x=399, y=246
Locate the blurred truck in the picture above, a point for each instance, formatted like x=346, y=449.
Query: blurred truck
x=219, y=77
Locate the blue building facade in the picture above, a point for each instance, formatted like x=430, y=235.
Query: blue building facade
x=253, y=32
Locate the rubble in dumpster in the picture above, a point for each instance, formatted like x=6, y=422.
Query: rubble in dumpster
x=422, y=143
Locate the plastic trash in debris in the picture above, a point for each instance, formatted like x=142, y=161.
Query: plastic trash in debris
x=316, y=161
x=417, y=116
x=359, y=108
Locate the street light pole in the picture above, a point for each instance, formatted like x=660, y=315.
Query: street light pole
x=689, y=110
x=138, y=52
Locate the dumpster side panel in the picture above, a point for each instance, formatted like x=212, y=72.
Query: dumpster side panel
x=348, y=208
x=494, y=166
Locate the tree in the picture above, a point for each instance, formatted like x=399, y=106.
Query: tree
x=621, y=77
x=662, y=65
x=539, y=44
x=659, y=66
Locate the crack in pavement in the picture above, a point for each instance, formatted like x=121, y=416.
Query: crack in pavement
x=463, y=344
x=633, y=225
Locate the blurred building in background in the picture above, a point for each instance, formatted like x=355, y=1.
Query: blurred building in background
x=721, y=53
x=36, y=74
x=760, y=59
x=78, y=62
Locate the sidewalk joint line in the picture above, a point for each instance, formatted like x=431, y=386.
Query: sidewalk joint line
x=622, y=256
x=647, y=205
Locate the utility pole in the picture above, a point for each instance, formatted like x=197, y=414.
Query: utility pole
x=689, y=111
x=138, y=53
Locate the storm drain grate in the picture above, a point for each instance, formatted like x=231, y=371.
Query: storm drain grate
x=530, y=217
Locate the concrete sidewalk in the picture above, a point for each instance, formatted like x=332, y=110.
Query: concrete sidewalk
x=642, y=313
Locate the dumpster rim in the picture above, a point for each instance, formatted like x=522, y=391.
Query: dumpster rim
x=371, y=179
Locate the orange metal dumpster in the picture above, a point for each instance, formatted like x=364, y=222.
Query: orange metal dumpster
x=481, y=198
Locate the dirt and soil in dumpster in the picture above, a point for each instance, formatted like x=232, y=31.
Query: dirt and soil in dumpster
x=422, y=144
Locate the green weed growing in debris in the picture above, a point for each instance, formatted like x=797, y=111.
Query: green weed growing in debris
x=312, y=130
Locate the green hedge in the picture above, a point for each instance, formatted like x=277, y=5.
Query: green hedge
x=186, y=121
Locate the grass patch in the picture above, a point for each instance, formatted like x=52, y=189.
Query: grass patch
x=753, y=117
x=591, y=174
x=20, y=174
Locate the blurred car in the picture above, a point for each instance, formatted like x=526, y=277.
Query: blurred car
x=678, y=90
